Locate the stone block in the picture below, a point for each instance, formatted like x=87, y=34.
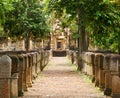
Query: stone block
x=15, y=64
x=29, y=73
x=115, y=86
x=114, y=63
x=96, y=62
x=34, y=66
x=42, y=60
x=106, y=62
x=108, y=83
x=21, y=81
x=14, y=86
x=5, y=75
x=38, y=62
x=25, y=57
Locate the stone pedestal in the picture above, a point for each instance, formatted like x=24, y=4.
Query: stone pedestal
x=25, y=72
x=108, y=77
x=115, y=86
x=34, y=74
x=29, y=76
x=108, y=83
x=5, y=75
x=102, y=79
x=38, y=63
x=14, y=86
x=21, y=81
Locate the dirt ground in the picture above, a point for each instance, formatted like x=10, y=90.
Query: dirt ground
x=61, y=80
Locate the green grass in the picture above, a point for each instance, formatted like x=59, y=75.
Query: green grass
x=88, y=80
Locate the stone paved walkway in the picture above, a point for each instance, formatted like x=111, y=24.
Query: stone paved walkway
x=60, y=80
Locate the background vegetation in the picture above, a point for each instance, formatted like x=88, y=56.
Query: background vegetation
x=95, y=23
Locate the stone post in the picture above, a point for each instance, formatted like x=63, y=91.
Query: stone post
x=42, y=60
x=38, y=62
x=14, y=77
x=21, y=81
x=34, y=75
x=14, y=86
x=114, y=68
x=25, y=71
x=96, y=69
x=5, y=75
x=29, y=77
x=108, y=81
x=101, y=72
x=92, y=55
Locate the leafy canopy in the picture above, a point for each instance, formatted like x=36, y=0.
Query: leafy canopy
x=101, y=19
x=26, y=18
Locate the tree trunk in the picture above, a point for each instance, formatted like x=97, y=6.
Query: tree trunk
x=27, y=42
x=83, y=39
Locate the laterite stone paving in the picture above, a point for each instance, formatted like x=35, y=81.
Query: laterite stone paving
x=60, y=80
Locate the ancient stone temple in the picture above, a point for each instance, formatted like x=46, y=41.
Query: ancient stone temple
x=59, y=39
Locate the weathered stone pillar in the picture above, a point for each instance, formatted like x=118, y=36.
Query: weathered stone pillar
x=92, y=55
x=84, y=62
x=14, y=78
x=114, y=68
x=89, y=64
x=29, y=76
x=75, y=57
x=25, y=72
x=34, y=74
x=101, y=72
x=42, y=60
x=38, y=62
x=21, y=81
x=72, y=57
x=5, y=76
x=46, y=57
x=108, y=81
x=14, y=86
x=96, y=69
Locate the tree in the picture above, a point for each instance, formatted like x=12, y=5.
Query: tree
x=104, y=24
x=27, y=19
x=5, y=6
x=76, y=9
x=95, y=19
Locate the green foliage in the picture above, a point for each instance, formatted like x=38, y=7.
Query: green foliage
x=100, y=17
x=26, y=18
x=104, y=22
x=5, y=6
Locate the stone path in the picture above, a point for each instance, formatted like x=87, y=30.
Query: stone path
x=60, y=80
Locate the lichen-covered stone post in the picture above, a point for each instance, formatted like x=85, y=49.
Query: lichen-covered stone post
x=29, y=77
x=14, y=86
x=42, y=60
x=36, y=65
x=96, y=69
x=14, y=76
x=38, y=62
x=46, y=58
x=5, y=76
x=93, y=66
x=114, y=68
x=108, y=81
x=25, y=72
x=21, y=81
x=34, y=75
x=101, y=72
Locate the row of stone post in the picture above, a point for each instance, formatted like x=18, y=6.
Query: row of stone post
x=18, y=70
x=104, y=71
x=72, y=55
